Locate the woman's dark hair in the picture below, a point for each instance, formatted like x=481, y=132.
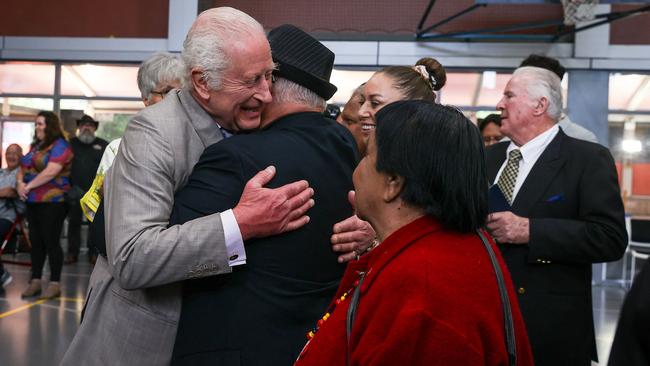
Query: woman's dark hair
x=439, y=153
x=53, y=129
x=413, y=84
x=491, y=118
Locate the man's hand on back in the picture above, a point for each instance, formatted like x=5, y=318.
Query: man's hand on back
x=264, y=212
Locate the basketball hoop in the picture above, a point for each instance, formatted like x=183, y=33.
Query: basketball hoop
x=576, y=11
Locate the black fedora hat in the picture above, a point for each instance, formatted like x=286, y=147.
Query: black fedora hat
x=86, y=119
x=302, y=59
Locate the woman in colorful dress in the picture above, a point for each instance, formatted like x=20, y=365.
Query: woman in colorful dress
x=42, y=183
x=428, y=293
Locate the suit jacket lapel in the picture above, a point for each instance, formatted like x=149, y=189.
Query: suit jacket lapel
x=542, y=174
x=205, y=126
x=495, y=156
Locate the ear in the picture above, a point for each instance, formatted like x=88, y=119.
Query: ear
x=393, y=186
x=541, y=107
x=200, y=84
x=145, y=101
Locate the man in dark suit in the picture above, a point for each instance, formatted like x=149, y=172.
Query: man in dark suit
x=260, y=314
x=565, y=213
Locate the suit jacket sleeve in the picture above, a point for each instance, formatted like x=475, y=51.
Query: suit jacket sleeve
x=142, y=250
x=598, y=232
x=215, y=185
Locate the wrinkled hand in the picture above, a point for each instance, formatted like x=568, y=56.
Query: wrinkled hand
x=507, y=227
x=352, y=236
x=264, y=212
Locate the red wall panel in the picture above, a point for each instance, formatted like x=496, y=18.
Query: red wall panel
x=84, y=18
x=641, y=179
x=374, y=17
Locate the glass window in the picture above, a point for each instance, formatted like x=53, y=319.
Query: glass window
x=26, y=78
x=21, y=133
x=346, y=82
x=629, y=92
x=112, y=125
x=29, y=106
x=95, y=80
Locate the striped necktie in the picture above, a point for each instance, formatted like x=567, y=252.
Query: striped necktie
x=508, y=177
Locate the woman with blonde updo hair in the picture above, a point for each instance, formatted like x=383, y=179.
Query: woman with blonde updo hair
x=395, y=83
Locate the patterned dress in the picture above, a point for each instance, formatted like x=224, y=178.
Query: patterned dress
x=35, y=162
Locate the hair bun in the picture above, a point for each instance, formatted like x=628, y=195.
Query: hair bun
x=435, y=69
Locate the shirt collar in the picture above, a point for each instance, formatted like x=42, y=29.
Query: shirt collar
x=535, y=146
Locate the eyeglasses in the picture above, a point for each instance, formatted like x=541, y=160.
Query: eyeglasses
x=163, y=92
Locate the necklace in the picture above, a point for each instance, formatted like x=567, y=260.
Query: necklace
x=331, y=308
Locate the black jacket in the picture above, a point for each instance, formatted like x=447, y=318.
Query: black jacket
x=572, y=199
x=260, y=314
x=631, y=345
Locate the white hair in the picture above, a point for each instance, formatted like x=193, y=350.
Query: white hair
x=540, y=83
x=207, y=42
x=286, y=91
x=161, y=67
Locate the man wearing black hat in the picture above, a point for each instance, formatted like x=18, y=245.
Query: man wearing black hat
x=259, y=314
x=88, y=150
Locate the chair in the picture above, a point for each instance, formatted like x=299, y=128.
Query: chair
x=639, y=247
x=18, y=227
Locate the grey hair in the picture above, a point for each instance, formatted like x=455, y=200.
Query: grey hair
x=160, y=67
x=213, y=31
x=286, y=91
x=543, y=83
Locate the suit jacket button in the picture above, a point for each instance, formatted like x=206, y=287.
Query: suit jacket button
x=521, y=290
x=233, y=257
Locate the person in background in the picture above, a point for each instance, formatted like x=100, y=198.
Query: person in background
x=352, y=236
x=427, y=294
x=393, y=83
x=43, y=182
x=87, y=149
x=560, y=212
x=490, y=129
x=157, y=76
x=569, y=127
x=350, y=119
x=10, y=205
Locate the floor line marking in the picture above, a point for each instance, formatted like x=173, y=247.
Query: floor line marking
x=58, y=307
x=21, y=308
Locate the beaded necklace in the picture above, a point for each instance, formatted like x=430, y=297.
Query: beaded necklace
x=331, y=309
x=375, y=242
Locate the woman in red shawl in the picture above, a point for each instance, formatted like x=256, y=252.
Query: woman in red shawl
x=428, y=293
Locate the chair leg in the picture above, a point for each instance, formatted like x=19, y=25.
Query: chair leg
x=632, y=269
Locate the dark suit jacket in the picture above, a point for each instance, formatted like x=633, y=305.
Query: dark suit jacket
x=260, y=314
x=572, y=199
x=631, y=345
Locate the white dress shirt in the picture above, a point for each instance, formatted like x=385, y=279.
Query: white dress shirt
x=234, y=241
x=530, y=152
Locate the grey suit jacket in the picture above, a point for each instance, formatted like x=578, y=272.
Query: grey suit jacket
x=134, y=296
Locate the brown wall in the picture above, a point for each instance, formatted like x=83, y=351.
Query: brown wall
x=374, y=17
x=84, y=18
x=632, y=30
x=148, y=18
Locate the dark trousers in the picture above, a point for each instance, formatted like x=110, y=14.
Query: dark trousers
x=45, y=224
x=74, y=227
x=5, y=225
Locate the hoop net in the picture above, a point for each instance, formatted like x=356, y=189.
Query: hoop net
x=579, y=11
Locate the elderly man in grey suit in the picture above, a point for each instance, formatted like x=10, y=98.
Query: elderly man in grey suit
x=133, y=302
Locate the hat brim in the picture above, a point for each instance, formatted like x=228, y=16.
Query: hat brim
x=320, y=86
